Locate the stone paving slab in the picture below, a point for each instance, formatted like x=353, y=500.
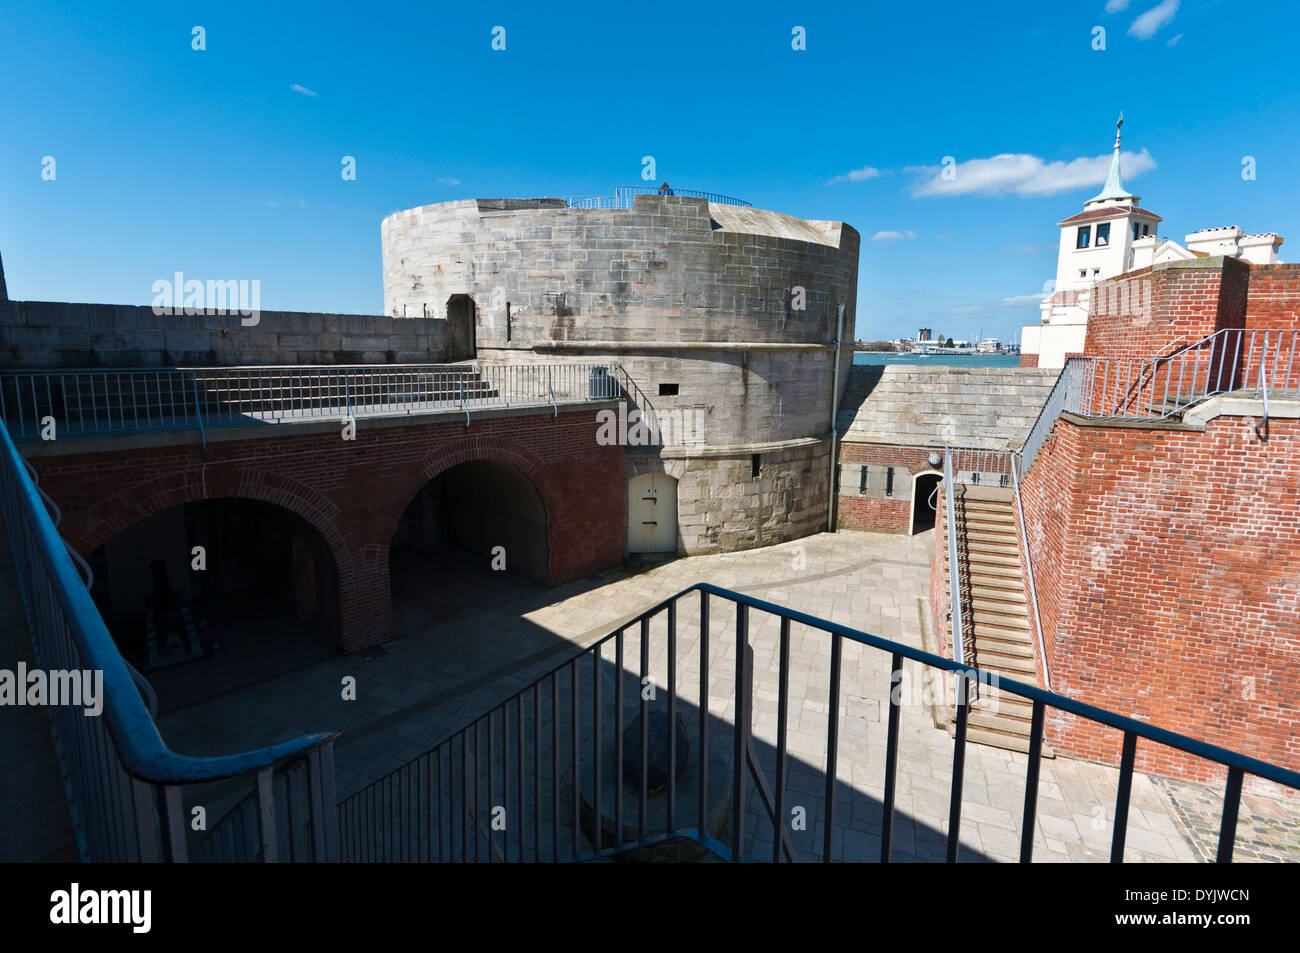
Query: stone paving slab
x=430, y=681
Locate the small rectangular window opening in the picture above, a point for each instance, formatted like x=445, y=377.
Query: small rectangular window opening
x=668, y=390
x=755, y=466
x=862, y=480
x=889, y=482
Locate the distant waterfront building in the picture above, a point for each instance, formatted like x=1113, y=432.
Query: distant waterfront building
x=1114, y=235
x=923, y=334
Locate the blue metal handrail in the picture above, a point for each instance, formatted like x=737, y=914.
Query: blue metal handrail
x=68, y=632
x=418, y=811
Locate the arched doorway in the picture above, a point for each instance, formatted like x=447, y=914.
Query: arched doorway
x=652, y=514
x=461, y=340
x=213, y=595
x=474, y=533
x=924, y=501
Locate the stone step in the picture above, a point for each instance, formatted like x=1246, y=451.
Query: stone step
x=1020, y=669
x=1012, y=599
x=987, y=544
x=981, y=558
x=1004, y=648
x=1001, y=739
x=996, y=625
x=998, y=607
x=990, y=519
x=987, y=572
x=1018, y=639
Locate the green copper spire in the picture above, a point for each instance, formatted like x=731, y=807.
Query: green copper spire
x=1114, y=187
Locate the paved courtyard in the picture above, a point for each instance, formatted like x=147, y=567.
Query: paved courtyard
x=434, y=677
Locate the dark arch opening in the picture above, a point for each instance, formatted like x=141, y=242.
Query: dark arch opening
x=923, y=503
x=445, y=560
x=259, y=601
x=461, y=340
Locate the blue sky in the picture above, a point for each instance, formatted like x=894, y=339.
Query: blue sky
x=225, y=163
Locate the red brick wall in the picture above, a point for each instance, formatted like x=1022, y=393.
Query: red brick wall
x=1142, y=313
x=877, y=514
x=354, y=492
x=1168, y=583
x=1274, y=299
x=1028, y=360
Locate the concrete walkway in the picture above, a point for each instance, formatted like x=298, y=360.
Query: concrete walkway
x=430, y=680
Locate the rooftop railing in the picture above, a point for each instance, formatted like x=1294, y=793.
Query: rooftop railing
x=85, y=403
x=624, y=197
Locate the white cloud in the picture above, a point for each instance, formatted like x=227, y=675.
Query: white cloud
x=1035, y=298
x=1173, y=40
x=966, y=309
x=1116, y=6
x=1024, y=175
x=1146, y=25
x=857, y=175
x=890, y=236
x=449, y=181
x=302, y=89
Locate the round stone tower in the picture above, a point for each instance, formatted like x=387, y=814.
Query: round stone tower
x=721, y=316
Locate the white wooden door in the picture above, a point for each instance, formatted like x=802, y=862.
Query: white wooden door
x=652, y=514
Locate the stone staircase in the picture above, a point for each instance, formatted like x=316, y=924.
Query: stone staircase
x=994, y=614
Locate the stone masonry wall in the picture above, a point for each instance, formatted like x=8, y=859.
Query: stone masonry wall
x=658, y=271
x=54, y=334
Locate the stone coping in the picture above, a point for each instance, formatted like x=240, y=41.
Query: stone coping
x=681, y=346
x=729, y=450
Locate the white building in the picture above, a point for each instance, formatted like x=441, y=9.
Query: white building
x=1111, y=236
x=1096, y=244
x=1229, y=241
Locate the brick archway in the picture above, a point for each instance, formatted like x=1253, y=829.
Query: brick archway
x=359, y=586
x=89, y=529
x=493, y=450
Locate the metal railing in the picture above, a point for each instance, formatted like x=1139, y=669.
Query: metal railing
x=130, y=797
x=79, y=403
x=1069, y=381
x=624, y=197
x=540, y=778
x=978, y=467
x=1262, y=363
x=954, y=566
